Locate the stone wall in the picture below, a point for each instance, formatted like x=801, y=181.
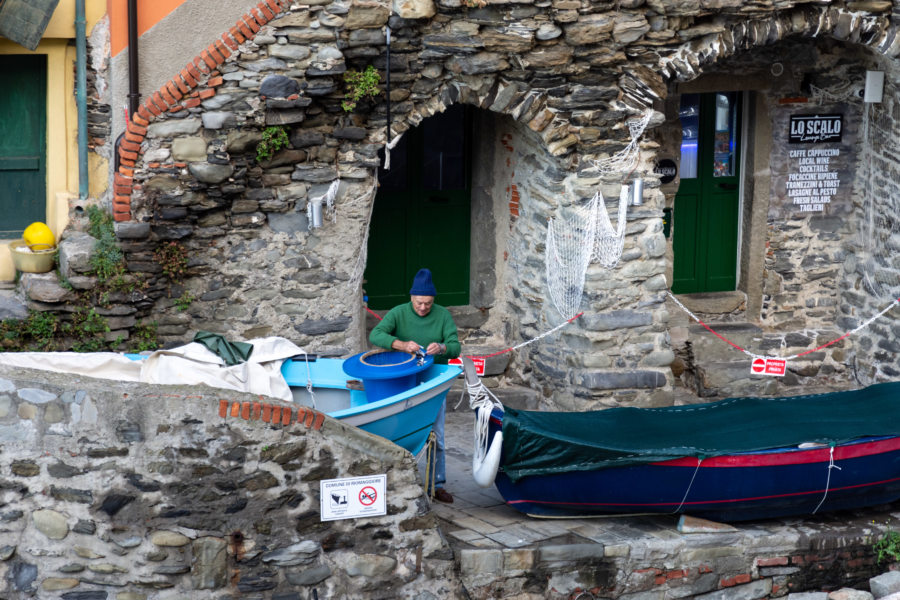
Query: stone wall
x=554, y=83
x=135, y=492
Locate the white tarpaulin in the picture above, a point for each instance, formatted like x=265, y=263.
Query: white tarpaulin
x=191, y=364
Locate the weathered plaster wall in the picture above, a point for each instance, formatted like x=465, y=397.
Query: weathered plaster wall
x=141, y=492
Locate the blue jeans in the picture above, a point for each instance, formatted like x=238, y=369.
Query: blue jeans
x=439, y=467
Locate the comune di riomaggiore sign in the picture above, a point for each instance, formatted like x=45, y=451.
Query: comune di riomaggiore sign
x=815, y=129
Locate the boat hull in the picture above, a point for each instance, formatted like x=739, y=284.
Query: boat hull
x=405, y=418
x=739, y=487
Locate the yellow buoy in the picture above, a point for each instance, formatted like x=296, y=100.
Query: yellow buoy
x=39, y=234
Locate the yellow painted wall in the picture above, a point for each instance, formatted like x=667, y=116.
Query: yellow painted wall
x=62, y=121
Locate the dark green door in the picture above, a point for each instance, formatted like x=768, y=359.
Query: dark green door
x=421, y=215
x=705, y=219
x=23, y=163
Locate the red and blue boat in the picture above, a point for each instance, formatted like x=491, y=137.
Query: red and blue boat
x=736, y=459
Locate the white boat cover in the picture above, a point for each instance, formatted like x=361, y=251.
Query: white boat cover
x=191, y=364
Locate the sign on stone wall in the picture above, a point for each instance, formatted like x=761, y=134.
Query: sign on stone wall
x=812, y=160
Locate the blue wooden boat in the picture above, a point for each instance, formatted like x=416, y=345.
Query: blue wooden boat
x=394, y=395
x=737, y=459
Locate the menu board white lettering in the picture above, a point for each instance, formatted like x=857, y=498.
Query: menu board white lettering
x=812, y=180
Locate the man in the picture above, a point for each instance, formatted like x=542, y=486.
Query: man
x=423, y=324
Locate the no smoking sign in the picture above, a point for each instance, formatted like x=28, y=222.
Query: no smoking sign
x=352, y=498
x=775, y=367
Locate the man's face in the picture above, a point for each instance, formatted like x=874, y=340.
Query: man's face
x=422, y=304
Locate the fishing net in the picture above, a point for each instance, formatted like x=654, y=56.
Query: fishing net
x=584, y=235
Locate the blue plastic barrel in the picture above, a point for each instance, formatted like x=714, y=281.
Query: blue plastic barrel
x=386, y=373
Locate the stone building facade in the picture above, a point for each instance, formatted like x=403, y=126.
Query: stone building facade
x=550, y=87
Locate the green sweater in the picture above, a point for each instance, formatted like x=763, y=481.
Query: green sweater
x=402, y=323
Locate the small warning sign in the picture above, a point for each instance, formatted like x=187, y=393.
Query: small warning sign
x=775, y=367
x=479, y=364
x=352, y=498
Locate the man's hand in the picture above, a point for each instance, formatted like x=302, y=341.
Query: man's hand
x=434, y=348
x=402, y=346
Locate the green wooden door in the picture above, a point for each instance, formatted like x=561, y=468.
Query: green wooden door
x=421, y=215
x=705, y=219
x=23, y=162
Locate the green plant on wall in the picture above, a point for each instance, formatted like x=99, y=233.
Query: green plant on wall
x=360, y=84
x=887, y=548
x=107, y=260
x=273, y=139
x=88, y=329
x=183, y=302
x=172, y=257
x=143, y=337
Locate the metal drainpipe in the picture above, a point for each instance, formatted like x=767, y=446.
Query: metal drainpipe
x=134, y=96
x=387, y=69
x=81, y=97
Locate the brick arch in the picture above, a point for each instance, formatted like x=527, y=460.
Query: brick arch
x=875, y=32
x=196, y=82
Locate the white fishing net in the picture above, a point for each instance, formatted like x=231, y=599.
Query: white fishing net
x=583, y=235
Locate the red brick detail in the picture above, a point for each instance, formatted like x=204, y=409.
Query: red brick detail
x=126, y=161
x=267, y=412
x=126, y=155
x=736, y=580
x=235, y=409
x=180, y=84
x=229, y=41
x=209, y=60
x=778, y=561
x=264, y=9
x=245, y=30
x=274, y=6
x=237, y=35
x=126, y=171
x=192, y=102
x=202, y=66
x=174, y=91
x=166, y=96
x=132, y=137
x=195, y=75
x=179, y=165
x=123, y=191
x=310, y=417
x=222, y=49
x=129, y=146
x=120, y=217
x=204, y=94
x=703, y=569
x=276, y=415
x=301, y=414
x=215, y=81
x=245, y=411
x=513, y=200
x=155, y=111
x=136, y=129
x=320, y=418
x=257, y=410
x=253, y=25
x=223, y=408
x=286, y=415
x=144, y=114
x=176, y=108
x=259, y=16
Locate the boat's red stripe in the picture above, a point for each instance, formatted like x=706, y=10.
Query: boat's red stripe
x=695, y=502
x=790, y=457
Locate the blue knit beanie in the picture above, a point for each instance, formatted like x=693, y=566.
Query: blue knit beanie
x=422, y=284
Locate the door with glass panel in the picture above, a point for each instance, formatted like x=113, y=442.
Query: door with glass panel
x=706, y=212
x=421, y=215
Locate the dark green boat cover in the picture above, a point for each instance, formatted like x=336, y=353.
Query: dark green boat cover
x=541, y=443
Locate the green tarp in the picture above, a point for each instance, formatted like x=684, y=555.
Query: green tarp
x=541, y=443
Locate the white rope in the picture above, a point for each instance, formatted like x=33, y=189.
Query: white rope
x=831, y=466
x=387, y=151
x=688, y=490
x=840, y=92
x=482, y=401
x=853, y=331
x=570, y=247
x=309, y=383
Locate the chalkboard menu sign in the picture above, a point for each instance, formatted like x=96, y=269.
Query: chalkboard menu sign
x=815, y=129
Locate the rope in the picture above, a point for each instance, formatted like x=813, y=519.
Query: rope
x=531, y=341
x=309, y=383
x=430, y=451
x=853, y=331
x=688, y=490
x=482, y=401
x=373, y=313
x=831, y=466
